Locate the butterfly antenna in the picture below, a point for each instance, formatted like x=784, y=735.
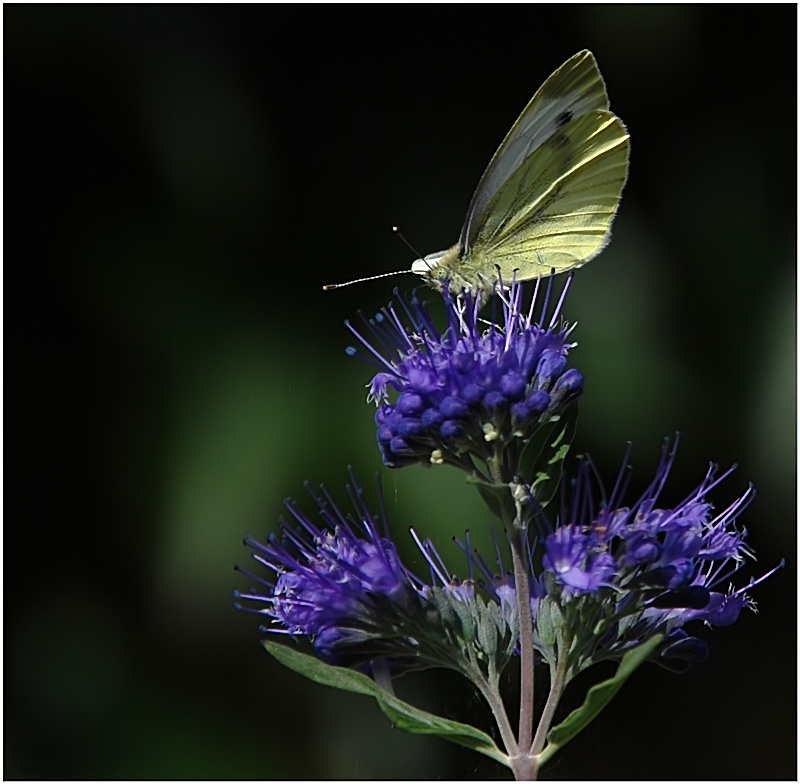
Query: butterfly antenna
x=382, y=275
x=361, y=280
x=399, y=233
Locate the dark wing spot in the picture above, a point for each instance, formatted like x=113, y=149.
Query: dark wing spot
x=563, y=118
x=560, y=140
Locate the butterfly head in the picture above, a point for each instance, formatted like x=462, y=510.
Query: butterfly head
x=447, y=267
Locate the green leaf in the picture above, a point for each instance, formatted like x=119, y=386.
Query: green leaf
x=403, y=715
x=596, y=699
x=498, y=498
x=542, y=460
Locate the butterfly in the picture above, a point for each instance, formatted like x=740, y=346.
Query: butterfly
x=548, y=196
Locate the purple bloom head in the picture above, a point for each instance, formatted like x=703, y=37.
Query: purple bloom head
x=634, y=572
x=604, y=577
x=473, y=394
x=342, y=586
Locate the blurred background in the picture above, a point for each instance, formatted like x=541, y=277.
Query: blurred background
x=180, y=183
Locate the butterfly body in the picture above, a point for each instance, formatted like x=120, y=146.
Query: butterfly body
x=548, y=197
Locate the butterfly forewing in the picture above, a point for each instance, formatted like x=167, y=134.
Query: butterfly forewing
x=573, y=90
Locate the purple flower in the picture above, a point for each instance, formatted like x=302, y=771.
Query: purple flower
x=342, y=586
x=579, y=569
x=605, y=577
x=643, y=570
x=475, y=391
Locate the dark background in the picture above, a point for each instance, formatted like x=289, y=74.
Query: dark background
x=181, y=181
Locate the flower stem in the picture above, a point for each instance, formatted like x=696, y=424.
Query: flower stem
x=523, y=764
x=556, y=689
x=492, y=696
x=524, y=767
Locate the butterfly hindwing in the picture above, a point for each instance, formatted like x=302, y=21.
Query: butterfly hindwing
x=574, y=89
x=556, y=210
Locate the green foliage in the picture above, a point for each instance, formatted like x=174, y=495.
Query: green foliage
x=542, y=460
x=498, y=498
x=596, y=699
x=404, y=716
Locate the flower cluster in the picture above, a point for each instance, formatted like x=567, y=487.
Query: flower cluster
x=473, y=391
x=344, y=588
x=603, y=578
x=333, y=584
x=615, y=576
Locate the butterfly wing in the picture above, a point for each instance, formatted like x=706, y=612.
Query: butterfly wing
x=555, y=211
x=573, y=90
